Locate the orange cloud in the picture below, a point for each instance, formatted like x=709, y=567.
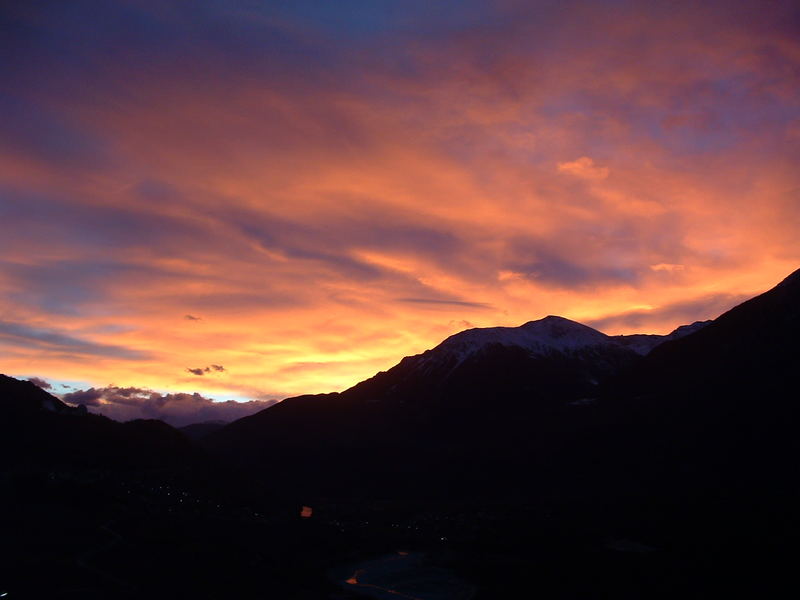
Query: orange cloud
x=584, y=168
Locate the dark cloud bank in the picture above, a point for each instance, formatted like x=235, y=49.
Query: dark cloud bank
x=125, y=404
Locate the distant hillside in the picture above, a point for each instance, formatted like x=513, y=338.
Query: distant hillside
x=37, y=428
x=197, y=431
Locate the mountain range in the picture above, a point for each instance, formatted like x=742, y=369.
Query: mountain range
x=481, y=395
x=686, y=442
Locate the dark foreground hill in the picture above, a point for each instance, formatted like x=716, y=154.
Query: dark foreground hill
x=38, y=429
x=95, y=509
x=705, y=427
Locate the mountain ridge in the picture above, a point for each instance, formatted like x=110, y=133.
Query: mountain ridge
x=522, y=391
x=677, y=464
x=514, y=409
x=538, y=337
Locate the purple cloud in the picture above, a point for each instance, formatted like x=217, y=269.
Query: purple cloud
x=38, y=382
x=179, y=409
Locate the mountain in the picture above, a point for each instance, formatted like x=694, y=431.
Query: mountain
x=718, y=408
x=488, y=405
x=549, y=359
x=653, y=466
x=22, y=399
x=685, y=451
x=645, y=343
x=554, y=334
x=37, y=428
x=512, y=391
x=196, y=431
x=126, y=510
x=753, y=345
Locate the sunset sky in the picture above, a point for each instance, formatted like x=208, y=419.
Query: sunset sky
x=249, y=200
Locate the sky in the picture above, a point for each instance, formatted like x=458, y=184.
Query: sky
x=248, y=200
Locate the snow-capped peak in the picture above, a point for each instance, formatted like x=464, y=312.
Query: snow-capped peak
x=543, y=337
x=562, y=333
x=539, y=337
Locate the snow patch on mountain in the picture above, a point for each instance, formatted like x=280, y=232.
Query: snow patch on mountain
x=644, y=343
x=551, y=334
x=538, y=337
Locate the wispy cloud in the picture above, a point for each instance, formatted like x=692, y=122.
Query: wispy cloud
x=51, y=340
x=686, y=311
x=451, y=303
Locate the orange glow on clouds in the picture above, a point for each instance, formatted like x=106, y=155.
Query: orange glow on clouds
x=306, y=218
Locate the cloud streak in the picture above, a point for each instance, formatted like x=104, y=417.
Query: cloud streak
x=687, y=311
x=50, y=340
x=445, y=303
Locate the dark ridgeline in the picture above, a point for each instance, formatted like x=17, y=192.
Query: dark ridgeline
x=550, y=457
x=38, y=429
x=91, y=508
x=197, y=431
x=491, y=413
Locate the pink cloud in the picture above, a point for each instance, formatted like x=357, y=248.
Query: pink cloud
x=584, y=168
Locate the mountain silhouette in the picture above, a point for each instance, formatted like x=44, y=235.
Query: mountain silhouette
x=93, y=508
x=656, y=463
x=37, y=428
x=489, y=402
x=709, y=422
